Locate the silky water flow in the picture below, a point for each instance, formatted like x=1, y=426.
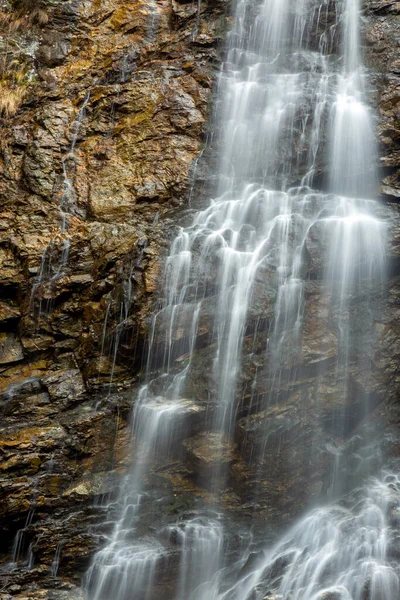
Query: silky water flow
x=290, y=104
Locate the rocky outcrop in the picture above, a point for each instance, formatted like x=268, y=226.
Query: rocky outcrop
x=93, y=166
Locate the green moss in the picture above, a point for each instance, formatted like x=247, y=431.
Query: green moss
x=181, y=504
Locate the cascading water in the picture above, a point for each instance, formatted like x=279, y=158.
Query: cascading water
x=202, y=546
x=254, y=261
x=339, y=552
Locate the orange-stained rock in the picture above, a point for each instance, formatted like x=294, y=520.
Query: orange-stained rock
x=210, y=449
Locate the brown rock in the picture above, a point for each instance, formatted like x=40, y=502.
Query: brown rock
x=210, y=450
x=10, y=349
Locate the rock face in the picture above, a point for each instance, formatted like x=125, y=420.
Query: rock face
x=95, y=173
x=94, y=164
x=382, y=29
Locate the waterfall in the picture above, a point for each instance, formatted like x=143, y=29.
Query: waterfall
x=339, y=552
x=293, y=233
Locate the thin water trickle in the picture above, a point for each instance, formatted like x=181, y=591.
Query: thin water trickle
x=118, y=309
x=19, y=552
x=56, y=560
x=291, y=110
x=56, y=254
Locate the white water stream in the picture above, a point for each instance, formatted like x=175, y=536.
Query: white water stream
x=290, y=107
x=56, y=254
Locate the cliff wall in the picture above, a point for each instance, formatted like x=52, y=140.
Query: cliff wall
x=103, y=116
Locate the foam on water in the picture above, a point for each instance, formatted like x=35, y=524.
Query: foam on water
x=338, y=552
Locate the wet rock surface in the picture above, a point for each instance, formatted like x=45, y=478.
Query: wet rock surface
x=381, y=49
x=94, y=166
x=95, y=175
